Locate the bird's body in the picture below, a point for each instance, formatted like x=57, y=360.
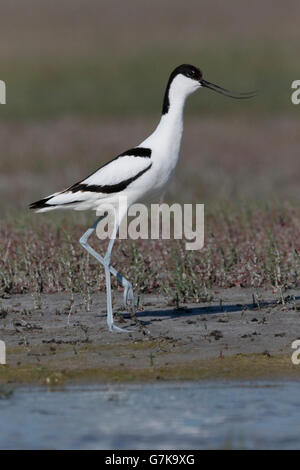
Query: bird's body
x=140, y=173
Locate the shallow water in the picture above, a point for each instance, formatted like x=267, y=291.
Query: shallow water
x=203, y=415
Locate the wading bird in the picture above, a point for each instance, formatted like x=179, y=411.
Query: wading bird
x=141, y=173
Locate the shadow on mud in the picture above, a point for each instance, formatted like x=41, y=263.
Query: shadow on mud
x=211, y=310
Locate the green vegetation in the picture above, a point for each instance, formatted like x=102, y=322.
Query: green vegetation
x=240, y=366
x=134, y=85
x=244, y=246
x=85, y=81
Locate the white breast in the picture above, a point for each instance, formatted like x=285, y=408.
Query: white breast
x=165, y=145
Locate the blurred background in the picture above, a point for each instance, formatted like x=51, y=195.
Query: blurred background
x=85, y=80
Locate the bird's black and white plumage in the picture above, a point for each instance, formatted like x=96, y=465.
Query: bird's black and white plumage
x=141, y=173
x=112, y=178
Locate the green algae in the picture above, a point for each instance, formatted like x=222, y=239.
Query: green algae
x=249, y=366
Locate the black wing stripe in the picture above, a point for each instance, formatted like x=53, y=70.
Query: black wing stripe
x=40, y=204
x=137, y=152
x=108, y=189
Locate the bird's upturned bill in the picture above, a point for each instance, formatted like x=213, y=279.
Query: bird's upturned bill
x=225, y=92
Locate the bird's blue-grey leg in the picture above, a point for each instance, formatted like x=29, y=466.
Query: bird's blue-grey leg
x=107, y=256
x=128, y=290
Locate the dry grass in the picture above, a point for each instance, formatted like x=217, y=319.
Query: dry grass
x=69, y=65
x=243, y=247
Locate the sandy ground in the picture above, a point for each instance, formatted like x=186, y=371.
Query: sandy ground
x=240, y=333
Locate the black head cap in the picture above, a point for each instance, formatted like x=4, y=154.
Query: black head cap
x=189, y=71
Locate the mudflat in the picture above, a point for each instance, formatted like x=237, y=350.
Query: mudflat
x=239, y=333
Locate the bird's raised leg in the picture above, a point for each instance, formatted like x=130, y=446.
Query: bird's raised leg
x=128, y=290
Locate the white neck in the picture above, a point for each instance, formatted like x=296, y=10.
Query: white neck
x=172, y=121
x=167, y=135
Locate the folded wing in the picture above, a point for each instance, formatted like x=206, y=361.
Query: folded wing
x=113, y=177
